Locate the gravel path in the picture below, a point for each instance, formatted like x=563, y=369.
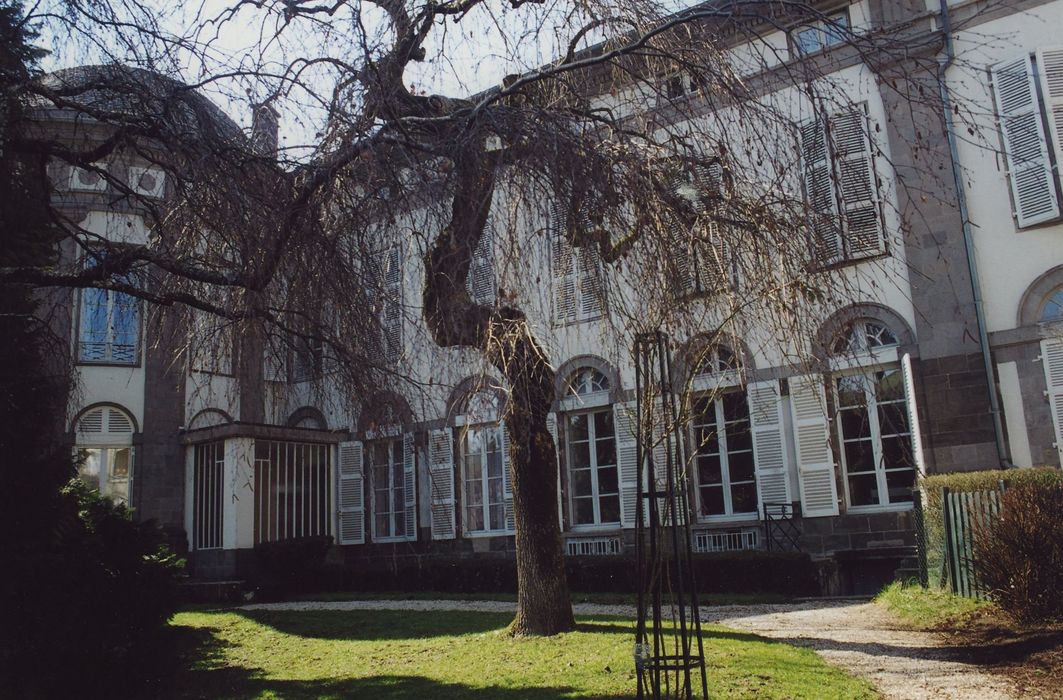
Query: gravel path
x=859, y=637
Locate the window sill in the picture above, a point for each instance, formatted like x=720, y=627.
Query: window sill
x=725, y=520
x=888, y=508
x=604, y=528
x=477, y=534
x=391, y=540
x=101, y=363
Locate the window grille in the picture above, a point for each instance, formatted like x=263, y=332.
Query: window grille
x=593, y=546
x=733, y=541
x=208, y=467
x=293, y=490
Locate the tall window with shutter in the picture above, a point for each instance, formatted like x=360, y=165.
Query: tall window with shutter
x=701, y=254
x=108, y=323
x=579, y=292
x=1027, y=89
x=385, y=293
x=480, y=283
x=393, y=475
x=841, y=187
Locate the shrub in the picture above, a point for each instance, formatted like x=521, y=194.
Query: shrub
x=90, y=601
x=987, y=480
x=1018, y=555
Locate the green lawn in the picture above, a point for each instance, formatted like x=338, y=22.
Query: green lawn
x=389, y=655
x=929, y=608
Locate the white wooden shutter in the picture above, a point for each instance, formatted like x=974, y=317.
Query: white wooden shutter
x=857, y=185
x=819, y=191
x=351, y=497
x=1052, y=359
x=409, y=484
x=507, y=482
x=815, y=460
x=913, y=412
x=1050, y=70
x=769, y=452
x=680, y=252
x=441, y=474
x=564, y=278
x=480, y=282
x=552, y=428
x=1033, y=186
x=624, y=422
x=392, y=307
x=591, y=291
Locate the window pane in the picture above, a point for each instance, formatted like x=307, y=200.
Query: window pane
x=577, y=427
x=606, y=452
x=494, y=490
x=120, y=463
x=897, y=452
x=744, y=498
x=89, y=469
x=584, y=511
x=893, y=418
x=581, y=482
x=473, y=441
x=738, y=437
x=474, y=519
x=735, y=406
x=709, y=470
x=855, y=423
x=851, y=391
x=581, y=455
x=380, y=502
x=900, y=484
x=474, y=493
x=498, y=517
x=603, y=424
x=889, y=385
x=705, y=412
x=610, y=509
x=741, y=466
x=607, y=480
x=382, y=525
x=858, y=456
x=712, y=500
x=863, y=490
x=706, y=440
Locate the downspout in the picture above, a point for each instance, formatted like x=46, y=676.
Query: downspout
x=968, y=243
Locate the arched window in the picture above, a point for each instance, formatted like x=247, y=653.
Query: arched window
x=862, y=336
x=1052, y=310
x=872, y=420
x=487, y=497
x=714, y=360
x=586, y=381
x=104, y=437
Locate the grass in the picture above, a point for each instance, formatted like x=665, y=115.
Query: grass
x=390, y=655
x=598, y=598
x=929, y=608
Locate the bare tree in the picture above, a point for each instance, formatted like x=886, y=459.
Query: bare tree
x=649, y=150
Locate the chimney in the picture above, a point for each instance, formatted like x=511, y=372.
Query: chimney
x=264, y=126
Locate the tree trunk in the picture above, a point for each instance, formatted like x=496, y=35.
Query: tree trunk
x=544, y=606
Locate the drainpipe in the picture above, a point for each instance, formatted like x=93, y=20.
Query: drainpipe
x=968, y=243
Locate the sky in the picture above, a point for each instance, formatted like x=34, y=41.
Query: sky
x=205, y=40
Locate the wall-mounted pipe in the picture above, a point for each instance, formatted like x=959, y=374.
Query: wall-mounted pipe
x=968, y=242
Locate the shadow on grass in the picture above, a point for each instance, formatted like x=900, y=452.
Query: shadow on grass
x=377, y=625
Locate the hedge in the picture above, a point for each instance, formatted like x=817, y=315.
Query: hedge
x=987, y=480
x=784, y=573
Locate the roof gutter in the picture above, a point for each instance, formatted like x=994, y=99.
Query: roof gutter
x=968, y=242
